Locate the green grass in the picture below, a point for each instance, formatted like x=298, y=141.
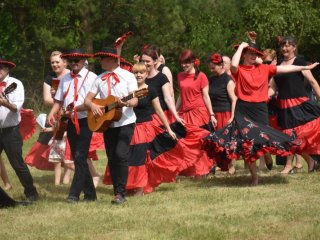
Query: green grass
x=281, y=207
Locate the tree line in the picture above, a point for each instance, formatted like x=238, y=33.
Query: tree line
x=31, y=29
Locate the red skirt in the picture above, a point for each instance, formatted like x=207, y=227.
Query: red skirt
x=28, y=124
x=222, y=119
x=197, y=120
x=303, y=116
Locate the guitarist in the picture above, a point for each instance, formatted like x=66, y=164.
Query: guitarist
x=117, y=82
x=10, y=138
x=73, y=88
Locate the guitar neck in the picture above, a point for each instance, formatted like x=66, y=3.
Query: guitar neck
x=115, y=104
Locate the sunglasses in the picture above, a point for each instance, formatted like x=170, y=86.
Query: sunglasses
x=267, y=62
x=75, y=60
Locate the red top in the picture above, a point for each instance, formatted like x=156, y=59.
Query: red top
x=191, y=90
x=252, y=82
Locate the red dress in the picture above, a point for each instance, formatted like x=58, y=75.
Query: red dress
x=194, y=112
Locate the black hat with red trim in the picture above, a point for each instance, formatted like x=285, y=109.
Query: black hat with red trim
x=7, y=63
x=252, y=47
x=107, y=52
x=76, y=53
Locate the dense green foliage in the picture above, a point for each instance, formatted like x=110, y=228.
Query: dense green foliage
x=31, y=29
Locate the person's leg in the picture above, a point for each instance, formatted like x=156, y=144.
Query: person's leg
x=262, y=163
x=232, y=168
x=4, y=176
x=309, y=161
x=254, y=173
x=11, y=142
x=268, y=160
x=288, y=168
x=57, y=173
x=95, y=175
x=68, y=168
x=118, y=161
x=298, y=161
x=79, y=145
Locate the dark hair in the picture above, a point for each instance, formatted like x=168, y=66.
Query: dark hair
x=187, y=56
x=151, y=53
x=288, y=39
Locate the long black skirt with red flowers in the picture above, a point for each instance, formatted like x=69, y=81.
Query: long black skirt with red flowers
x=249, y=136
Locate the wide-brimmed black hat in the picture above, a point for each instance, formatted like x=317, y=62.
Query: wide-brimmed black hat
x=7, y=63
x=76, y=53
x=252, y=47
x=107, y=52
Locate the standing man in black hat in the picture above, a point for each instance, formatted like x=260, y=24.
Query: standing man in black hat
x=72, y=90
x=120, y=83
x=10, y=138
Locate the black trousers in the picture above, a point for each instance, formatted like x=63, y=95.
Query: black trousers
x=5, y=200
x=117, y=141
x=11, y=143
x=79, y=145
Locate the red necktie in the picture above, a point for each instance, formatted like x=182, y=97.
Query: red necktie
x=108, y=78
x=2, y=86
x=75, y=98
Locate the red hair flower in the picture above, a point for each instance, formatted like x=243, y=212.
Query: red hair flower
x=196, y=62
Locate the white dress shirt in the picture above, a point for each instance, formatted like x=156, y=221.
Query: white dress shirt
x=7, y=117
x=85, y=80
x=127, y=85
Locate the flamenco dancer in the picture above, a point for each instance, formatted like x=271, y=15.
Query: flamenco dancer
x=296, y=110
x=249, y=135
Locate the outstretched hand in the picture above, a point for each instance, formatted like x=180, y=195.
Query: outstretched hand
x=312, y=66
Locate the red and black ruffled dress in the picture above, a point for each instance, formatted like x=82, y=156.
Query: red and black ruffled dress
x=297, y=112
x=154, y=156
x=249, y=135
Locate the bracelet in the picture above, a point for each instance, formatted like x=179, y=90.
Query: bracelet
x=212, y=114
x=127, y=104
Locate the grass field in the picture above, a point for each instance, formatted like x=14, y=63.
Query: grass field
x=219, y=207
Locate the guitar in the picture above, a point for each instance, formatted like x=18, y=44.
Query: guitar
x=112, y=110
x=61, y=122
x=9, y=89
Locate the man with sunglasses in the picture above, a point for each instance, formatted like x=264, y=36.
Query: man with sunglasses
x=70, y=95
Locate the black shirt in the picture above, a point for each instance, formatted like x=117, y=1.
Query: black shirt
x=144, y=109
x=218, y=93
x=157, y=82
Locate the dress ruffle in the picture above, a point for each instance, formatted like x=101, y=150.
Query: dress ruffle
x=28, y=124
x=243, y=137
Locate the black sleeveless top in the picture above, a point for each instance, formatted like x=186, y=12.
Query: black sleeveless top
x=144, y=109
x=157, y=82
x=291, y=85
x=218, y=93
x=49, y=77
x=160, y=68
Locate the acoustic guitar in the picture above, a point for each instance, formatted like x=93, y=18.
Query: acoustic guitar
x=112, y=112
x=61, y=122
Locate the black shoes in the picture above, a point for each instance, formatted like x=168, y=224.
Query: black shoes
x=118, y=199
x=72, y=200
x=33, y=198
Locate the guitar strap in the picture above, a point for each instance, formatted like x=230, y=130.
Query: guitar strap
x=74, y=119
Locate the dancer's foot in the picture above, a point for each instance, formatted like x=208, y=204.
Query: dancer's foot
x=96, y=181
x=287, y=170
x=7, y=187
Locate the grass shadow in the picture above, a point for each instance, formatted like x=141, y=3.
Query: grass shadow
x=240, y=181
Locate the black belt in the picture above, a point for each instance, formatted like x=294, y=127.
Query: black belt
x=7, y=129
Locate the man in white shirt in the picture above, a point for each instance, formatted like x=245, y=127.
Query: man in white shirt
x=10, y=138
x=72, y=90
x=120, y=83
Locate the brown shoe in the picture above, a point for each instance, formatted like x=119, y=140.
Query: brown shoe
x=118, y=199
